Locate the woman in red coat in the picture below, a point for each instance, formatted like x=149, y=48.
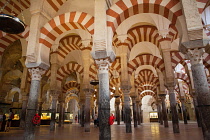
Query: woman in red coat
x=111, y=119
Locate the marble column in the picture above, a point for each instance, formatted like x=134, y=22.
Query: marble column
x=61, y=114
x=201, y=87
x=23, y=111
x=164, y=113
x=172, y=99
x=122, y=113
x=184, y=113
x=134, y=110
x=197, y=114
x=170, y=82
x=83, y=115
x=159, y=109
x=104, y=99
x=54, y=95
x=32, y=102
x=117, y=102
x=88, y=93
x=138, y=112
x=127, y=111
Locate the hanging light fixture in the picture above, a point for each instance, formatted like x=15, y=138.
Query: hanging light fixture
x=9, y=23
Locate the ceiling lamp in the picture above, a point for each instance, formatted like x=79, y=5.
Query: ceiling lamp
x=94, y=82
x=9, y=23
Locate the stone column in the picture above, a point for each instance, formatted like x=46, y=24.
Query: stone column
x=61, y=113
x=117, y=102
x=104, y=99
x=54, y=95
x=134, y=110
x=40, y=108
x=32, y=102
x=83, y=115
x=127, y=111
x=172, y=98
x=170, y=83
x=164, y=113
x=122, y=112
x=138, y=112
x=198, y=118
x=200, y=82
x=159, y=109
x=23, y=111
x=88, y=93
x=184, y=113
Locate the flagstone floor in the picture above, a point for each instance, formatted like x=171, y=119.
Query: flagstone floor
x=146, y=131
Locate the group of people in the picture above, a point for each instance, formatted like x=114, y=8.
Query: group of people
x=5, y=124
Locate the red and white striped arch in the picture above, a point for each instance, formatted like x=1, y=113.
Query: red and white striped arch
x=69, y=85
x=183, y=77
x=116, y=65
x=93, y=72
x=123, y=9
x=56, y=4
x=114, y=82
x=67, y=45
x=146, y=33
x=146, y=77
x=145, y=60
x=63, y=23
x=201, y=5
x=7, y=39
x=206, y=60
x=15, y=6
x=68, y=69
x=47, y=73
x=147, y=93
x=152, y=88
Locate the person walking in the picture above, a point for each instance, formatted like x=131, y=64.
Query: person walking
x=111, y=119
x=9, y=121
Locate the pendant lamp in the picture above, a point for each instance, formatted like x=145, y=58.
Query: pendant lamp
x=11, y=24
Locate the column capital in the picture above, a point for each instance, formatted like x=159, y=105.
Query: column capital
x=55, y=93
x=88, y=91
x=103, y=54
x=103, y=65
x=192, y=44
x=36, y=73
x=126, y=89
x=195, y=55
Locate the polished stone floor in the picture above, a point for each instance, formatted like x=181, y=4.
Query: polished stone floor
x=146, y=131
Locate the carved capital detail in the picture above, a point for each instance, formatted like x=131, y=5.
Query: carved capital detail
x=55, y=94
x=103, y=65
x=195, y=55
x=36, y=73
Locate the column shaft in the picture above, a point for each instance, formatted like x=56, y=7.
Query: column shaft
x=160, y=117
x=165, y=118
x=118, y=113
x=104, y=107
x=53, y=114
x=31, y=110
x=203, y=97
x=198, y=118
x=127, y=113
x=175, y=119
x=23, y=113
x=134, y=112
x=87, y=111
x=184, y=113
